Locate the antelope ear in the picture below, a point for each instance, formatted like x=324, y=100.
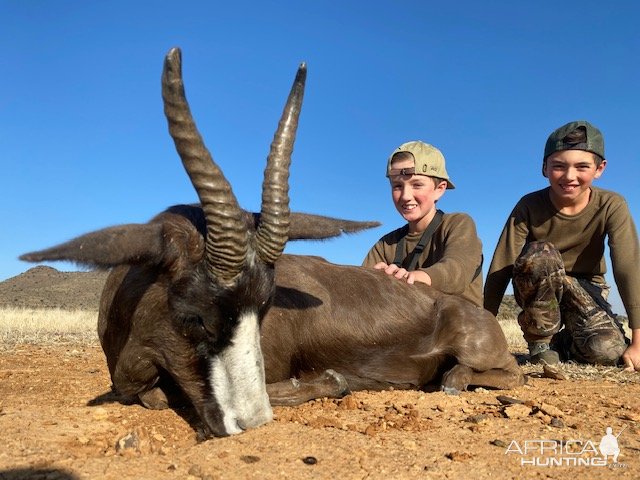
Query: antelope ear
x=109, y=247
x=305, y=226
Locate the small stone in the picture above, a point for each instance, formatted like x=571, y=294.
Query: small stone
x=551, y=410
x=634, y=417
x=310, y=460
x=556, y=422
x=458, y=456
x=551, y=371
x=249, y=458
x=477, y=419
x=371, y=431
x=498, y=443
x=131, y=441
x=349, y=403
x=505, y=400
x=517, y=411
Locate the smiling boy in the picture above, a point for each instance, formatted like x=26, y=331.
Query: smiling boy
x=436, y=248
x=552, y=246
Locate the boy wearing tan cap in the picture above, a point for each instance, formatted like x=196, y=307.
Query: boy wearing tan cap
x=436, y=248
x=552, y=246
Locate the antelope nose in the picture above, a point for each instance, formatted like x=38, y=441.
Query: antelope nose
x=255, y=420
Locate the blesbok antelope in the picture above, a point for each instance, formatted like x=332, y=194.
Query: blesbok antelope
x=202, y=298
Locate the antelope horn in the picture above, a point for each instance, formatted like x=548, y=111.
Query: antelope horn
x=227, y=237
x=272, y=233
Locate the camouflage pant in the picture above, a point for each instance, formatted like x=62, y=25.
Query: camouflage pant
x=550, y=299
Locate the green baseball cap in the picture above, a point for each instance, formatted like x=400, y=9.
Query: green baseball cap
x=428, y=160
x=594, y=140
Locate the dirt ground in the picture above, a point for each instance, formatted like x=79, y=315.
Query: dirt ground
x=58, y=421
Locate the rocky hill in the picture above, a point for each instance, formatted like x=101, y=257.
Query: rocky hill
x=46, y=287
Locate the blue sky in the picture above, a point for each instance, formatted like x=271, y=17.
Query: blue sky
x=84, y=142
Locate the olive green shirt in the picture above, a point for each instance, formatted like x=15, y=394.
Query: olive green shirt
x=580, y=239
x=451, y=258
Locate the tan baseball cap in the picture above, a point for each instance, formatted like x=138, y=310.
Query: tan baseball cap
x=429, y=161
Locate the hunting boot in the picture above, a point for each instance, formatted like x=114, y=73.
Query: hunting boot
x=542, y=353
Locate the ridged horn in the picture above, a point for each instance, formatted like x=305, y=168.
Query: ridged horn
x=272, y=233
x=227, y=236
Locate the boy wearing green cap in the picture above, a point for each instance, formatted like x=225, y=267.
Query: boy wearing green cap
x=552, y=246
x=436, y=248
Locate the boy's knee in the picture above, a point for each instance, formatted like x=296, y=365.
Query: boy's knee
x=539, y=252
x=538, y=274
x=604, y=349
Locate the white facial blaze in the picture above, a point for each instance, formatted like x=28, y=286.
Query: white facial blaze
x=238, y=380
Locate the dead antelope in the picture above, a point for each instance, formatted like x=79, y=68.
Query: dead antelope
x=202, y=298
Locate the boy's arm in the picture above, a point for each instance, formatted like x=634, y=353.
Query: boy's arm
x=624, y=249
x=512, y=239
x=460, y=257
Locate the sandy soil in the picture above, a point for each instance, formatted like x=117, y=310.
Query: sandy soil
x=58, y=420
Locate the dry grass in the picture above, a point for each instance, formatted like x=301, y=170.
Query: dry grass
x=571, y=370
x=52, y=326
x=515, y=340
x=47, y=326
x=513, y=333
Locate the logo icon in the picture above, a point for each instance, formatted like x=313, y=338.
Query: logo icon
x=609, y=444
x=573, y=452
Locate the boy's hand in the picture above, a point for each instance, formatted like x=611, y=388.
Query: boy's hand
x=402, y=274
x=393, y=270
x=631, y=355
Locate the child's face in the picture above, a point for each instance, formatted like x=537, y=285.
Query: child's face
x=570, y=174
x=414, y=196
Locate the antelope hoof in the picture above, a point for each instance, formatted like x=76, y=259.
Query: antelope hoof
x=336, y=380
x=450, y=390
x=154, y=399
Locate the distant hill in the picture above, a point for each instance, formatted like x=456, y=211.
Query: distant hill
x=509, y=309
x=46, y=287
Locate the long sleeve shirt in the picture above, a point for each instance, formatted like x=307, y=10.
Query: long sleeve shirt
x=580, y=239
x=452, y=257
